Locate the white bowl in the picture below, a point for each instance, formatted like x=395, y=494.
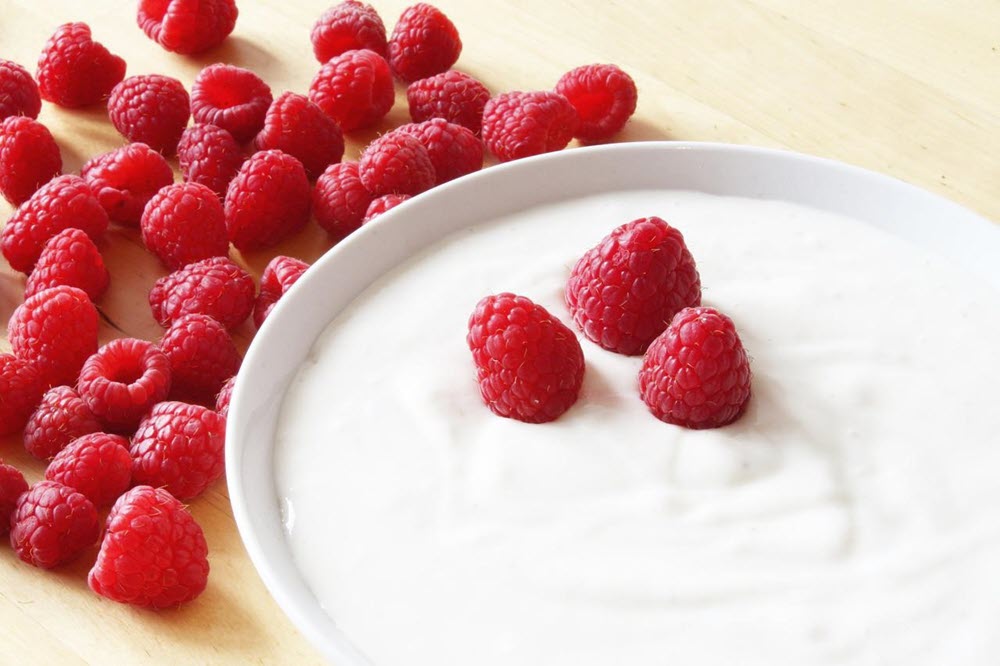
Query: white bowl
x=337, y=278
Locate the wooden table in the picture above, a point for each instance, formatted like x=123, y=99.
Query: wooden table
x=909, y=89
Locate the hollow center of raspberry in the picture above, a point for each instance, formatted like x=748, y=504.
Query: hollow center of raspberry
x=128, y=371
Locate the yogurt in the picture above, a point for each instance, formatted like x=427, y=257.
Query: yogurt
x=851, y=517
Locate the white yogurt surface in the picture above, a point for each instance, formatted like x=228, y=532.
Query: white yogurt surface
x=851, y=517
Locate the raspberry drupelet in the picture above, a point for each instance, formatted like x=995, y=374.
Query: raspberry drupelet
x=184, y=223
x=70, y=259
x=296, y=126
x=454, y=150
x=74, y=70
x=187, y=26
x=21, y=390
x=232, y=98
x=61, y=417
x=152, y=109
x=396, y=163
x=604, y=97
x=354, y=88
x=340, y=200
x=202, y=357
x=12, y=486
x=98, y=465
x=29, y=158
x=522, y=124
x=18, y=91
x=52, y=524
x=423, y=43
x=452, y=95
x=278, y=277
x=125, y=179
x=384, y=204
x=215, y=287
x=267, y=201
x=348, y=26
x=209, y=155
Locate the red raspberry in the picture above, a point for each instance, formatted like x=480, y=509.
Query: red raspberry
x=267, y=201
x=150, y=108
x=348, y=26
x=62, y=203
x=12, y=486
x=604, y=97
x=125, y=179
x=202, y=357
x=153, y=554
x=29, y=158
x=423, y=43
x=278, y=277
x=232, y=98
x=179, y=447
x=354, y=88
x=123, y=380
x=452, y=95
x=52, y=524
x=74, y=70
x=696, y=374
x=396, y=163
x=340, y=199
x=20, y=392
x=209, y=156
x=382, y=204
x=187, y=26
x=185, y=223
x=69, y=258
x=59, y=419
x=623, y=292
x=298, y=127
x=454, y=150
x=215, y=287
x=57, y=329
x=97, y=465
x=224, y=396
x=18, y=91
x=528, y=363
x=522, y=124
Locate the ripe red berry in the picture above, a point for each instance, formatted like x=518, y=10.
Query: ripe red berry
x=52, y=524
x=29, y=158
x=454, y=150
x=152, y=109
x=521, y=124
x=267, y=201
x=18, y=91
x=209, y=155
x=57, y=329
x=125, y=179
x=12, y=486
x=61, y=417
x=340, y=199
x=396, y=163
x=452, y=95
x=69, y=258
x=278, y=277
x=232, y=98
x=153, y=554
x=382, y=204
x=187, y=26
x=225, y=395
x=123, y=380
x=354, y=88
x=179, y=447
x=202, y=357
x=528, y=363
x=696, y=374
x=423, y=43
x=184, y=223
x=604, y=97
x=348, y=26
x=21, y=390
x=298, y=127
x=97, y=465
x=215, y=287
x=74, y=70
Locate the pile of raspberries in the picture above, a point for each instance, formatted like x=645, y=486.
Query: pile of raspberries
x=139, y=426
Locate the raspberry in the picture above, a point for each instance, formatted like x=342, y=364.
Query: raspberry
x=278, y=277
x=354, y=88
x=623, y=292
x=179, y=447
x=522, y=124
x=298, y=127
x=153, y=554
x=74, y=70
x=604, y=97
x=209, y=156
x=224, y=396
x=267, y=201
x=29, y=158
x=61, y=417
x=215, y=287
x=340, y=199
x=123, y=380
x=57, y=329
x=348, y=26
x=20, y=392
x=528, y=363
x=12, y=486
x=187, y=26
x=232, y=98
x=97, y=465
x=202, y=357
x=18, y=91
x=125, y=179
x=423, y=43
x=150, y=108
x=382, y=204
x=69, y=258
x=454, y=150
x=696, y=374
x=396, y=163
x=452, y=95
x=52, y=524
x=185, y=223
x=62, y=203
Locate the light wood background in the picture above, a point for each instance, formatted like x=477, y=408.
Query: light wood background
x=906, y=88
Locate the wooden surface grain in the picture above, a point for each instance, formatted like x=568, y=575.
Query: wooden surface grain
x=908, y=89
